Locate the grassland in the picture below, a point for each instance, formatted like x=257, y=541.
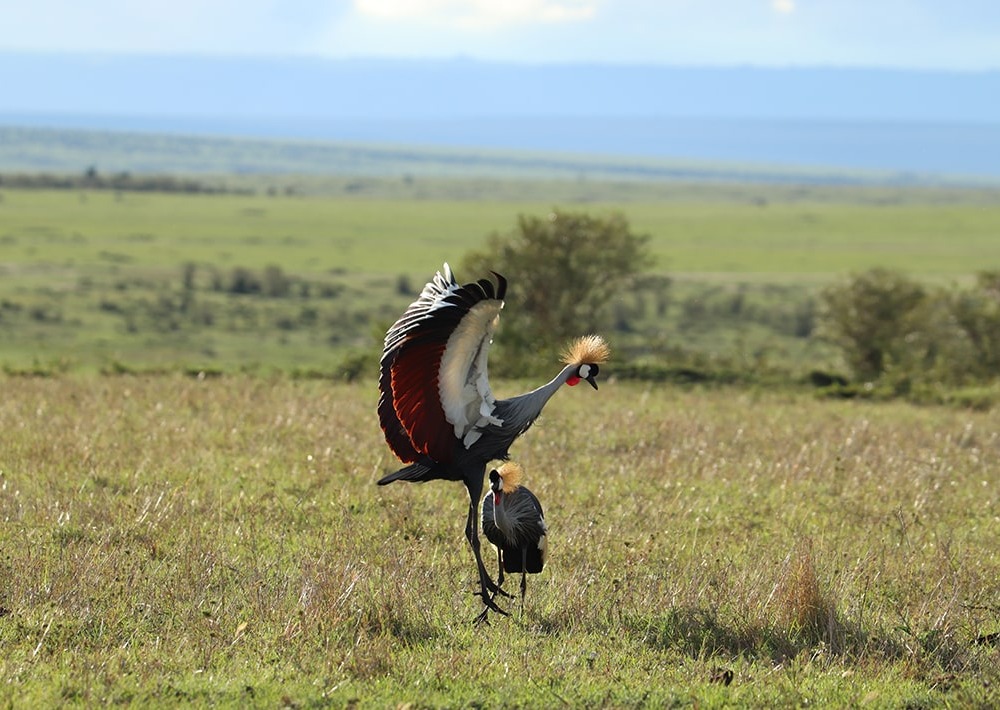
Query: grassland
x=99, y=280
x=170, y=540
x=220, y=541
x=756, y=230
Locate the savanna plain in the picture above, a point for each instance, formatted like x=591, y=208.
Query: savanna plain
x=221, y=542
x=186, y=520
x=115, y=280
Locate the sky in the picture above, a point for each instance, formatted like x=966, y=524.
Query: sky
x=961, y=35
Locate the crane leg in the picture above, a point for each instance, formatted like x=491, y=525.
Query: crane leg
x=487, y=587
x=500, y=576
x=483, y=617
x=500, y=571
x=524, y=577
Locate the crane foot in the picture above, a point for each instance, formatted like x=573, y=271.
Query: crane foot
x=489, y=604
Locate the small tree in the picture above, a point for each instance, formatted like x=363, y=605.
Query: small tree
x=976, y=312
x=274, y=282
x=565, y=270
x=244, y=281
x=873, y=318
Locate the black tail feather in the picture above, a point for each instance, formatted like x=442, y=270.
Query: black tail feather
x=523, y=559
x=414, y=472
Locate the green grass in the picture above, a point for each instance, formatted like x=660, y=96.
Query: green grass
x=94, y=280
x=802, y=241
x=221, y=542
x=719, y=232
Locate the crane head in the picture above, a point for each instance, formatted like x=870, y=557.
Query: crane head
x=506, y=479
x=587, y=372
x=587, y=354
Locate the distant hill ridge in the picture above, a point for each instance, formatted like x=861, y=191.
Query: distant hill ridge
x=911, y=125
x=38, y=156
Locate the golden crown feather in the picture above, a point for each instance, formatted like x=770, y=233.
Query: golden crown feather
x=511, y=474
x=590, y=349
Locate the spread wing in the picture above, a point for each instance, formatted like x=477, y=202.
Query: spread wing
x=433, y=380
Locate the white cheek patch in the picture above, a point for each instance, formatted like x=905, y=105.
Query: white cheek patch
x=584, y=371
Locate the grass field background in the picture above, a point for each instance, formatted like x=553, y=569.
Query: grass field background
x=95, y=279
x=221, y=542
x=169, y=539
x=749, y=231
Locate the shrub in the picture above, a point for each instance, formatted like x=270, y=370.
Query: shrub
x=874, y=318
x=244, y=281
x=275, y=283
x=569, y=267
x=976, y=313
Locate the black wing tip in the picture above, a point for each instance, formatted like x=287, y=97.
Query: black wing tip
x=498, y=291
x=501, y=285
x=489, y=289
x=481, y=290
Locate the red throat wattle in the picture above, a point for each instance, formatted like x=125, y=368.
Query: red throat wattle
x=572, y=381
x=496, y=497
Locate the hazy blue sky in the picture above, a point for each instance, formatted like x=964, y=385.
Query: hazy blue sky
x=942, y=34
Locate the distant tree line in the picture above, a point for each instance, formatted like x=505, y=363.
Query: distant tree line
x=896, y=336
x=902, y=336
x=91, y=179
x=578, y=273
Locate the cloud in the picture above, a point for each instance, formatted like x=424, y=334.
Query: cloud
x=478, y=14
x=783, y=7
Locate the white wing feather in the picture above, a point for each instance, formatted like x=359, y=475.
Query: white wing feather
x=463, y=380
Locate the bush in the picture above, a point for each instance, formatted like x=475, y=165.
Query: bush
x=875, y=318
x=244, y=281
x=565, y=271
x=275, y=283
x=976, y=313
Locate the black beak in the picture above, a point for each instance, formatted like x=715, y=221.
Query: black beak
x=593, y=381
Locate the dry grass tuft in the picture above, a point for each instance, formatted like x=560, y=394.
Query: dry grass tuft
x=800, y=606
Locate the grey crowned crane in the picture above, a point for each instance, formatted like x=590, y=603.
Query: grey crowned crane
x=514, y=522
x=436, y=408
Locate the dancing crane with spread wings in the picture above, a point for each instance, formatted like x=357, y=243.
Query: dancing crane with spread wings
x=436, y=407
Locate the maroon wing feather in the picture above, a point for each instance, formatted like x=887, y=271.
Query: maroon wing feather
x=409, y=407
x=417, y=402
